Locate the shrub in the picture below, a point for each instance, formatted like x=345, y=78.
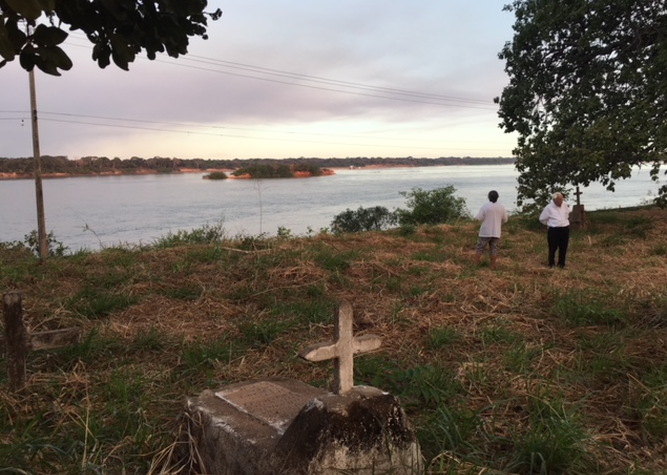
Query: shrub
x=363, y=219
x=207, y=234
x=314, y=170
x=265, y=171
x=431, y=207
x=55, y=248
x=215, y=176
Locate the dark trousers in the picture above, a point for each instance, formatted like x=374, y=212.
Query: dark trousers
x=558, y=239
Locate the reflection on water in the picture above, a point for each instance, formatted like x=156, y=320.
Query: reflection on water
x=101, y=211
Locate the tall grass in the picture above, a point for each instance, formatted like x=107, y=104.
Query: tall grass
x=519, y=370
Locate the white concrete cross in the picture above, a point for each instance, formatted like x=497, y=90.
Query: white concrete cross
x=342, y=349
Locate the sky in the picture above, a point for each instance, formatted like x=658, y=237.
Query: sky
x=282, y=79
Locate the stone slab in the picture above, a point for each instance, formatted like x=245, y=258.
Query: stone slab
x=273, y=403
x=258, y=428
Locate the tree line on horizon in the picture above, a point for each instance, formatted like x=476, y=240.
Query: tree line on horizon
x=92, y=165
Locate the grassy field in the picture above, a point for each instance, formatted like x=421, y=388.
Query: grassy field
x=525, y=369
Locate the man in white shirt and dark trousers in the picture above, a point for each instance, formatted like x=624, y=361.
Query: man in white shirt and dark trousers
x=556, y=215
x=492, y=215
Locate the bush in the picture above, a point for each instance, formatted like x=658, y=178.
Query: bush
x=207, y=234
x=215, y=176
x=265, y=171
x=431, y=207
x=363, y=219
x=54, y=247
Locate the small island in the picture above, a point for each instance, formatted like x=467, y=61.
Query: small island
x=264, y=171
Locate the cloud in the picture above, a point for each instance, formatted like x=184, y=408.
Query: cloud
x=283, y=78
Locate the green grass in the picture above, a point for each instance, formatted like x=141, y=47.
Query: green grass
x=442, y=337
x=518, y=371
x=589, y=307
x=554, y=441
x=91, y=303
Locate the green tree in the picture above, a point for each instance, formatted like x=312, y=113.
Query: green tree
x=431, y=207
x=118, y=29
x=587, y=92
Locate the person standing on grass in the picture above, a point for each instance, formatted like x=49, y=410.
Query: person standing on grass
x=492, y=215
x=556, y=216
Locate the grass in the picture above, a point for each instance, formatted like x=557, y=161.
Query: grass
x=523, y=370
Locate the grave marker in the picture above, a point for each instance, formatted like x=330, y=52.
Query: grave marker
x=271, y=403
x=286, y=427
x=18, y=341
x=578, y=215
x=342, y=349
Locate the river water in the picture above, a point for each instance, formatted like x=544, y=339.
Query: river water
x=96, y=212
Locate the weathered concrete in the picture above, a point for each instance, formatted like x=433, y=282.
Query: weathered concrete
x=364, y=431
x=282, y=426
x=578, y=217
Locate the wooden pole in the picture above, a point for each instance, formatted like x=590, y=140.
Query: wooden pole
x=17, y=341
x=41, y=222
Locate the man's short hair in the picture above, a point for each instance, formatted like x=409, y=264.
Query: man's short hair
x=557, y=194
x=493, y=196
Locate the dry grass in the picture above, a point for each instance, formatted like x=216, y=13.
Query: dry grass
x=592, y=336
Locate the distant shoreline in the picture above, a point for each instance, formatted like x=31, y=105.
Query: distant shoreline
x=228, y=171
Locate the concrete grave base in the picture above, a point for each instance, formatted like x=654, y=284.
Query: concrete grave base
x=282, y=426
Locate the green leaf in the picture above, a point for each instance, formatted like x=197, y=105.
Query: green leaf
x=27, y=58
x=15, y=35
x=47, y=66
x=29, y=9
x=6, y=46
x=48, y=35
x=121, y=53
x=101, y=54
x=60, y=58
x=54, y=55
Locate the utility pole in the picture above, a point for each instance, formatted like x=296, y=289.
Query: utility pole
x=41, y=222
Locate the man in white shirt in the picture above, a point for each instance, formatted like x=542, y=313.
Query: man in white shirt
x=556, y=215
x=492, y=215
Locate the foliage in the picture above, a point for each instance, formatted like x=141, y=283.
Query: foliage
x=118, y=29
x=555, y=442
x=55, y=247
x=431, y=207
x=265, y=171
x=586, y=93
x=314, y=170
x=207, y=234
x=363, y=219
x=588, y=308
x=216, y=176
x=281, y=170
x=92, y=164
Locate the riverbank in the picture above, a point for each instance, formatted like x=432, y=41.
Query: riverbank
x=497, y=370
x=227, y=171
x=152, y=171
x=146, y=171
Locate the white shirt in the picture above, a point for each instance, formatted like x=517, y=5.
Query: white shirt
x=492, y=215
x=556, y=216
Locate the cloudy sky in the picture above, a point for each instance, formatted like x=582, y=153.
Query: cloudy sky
x=284, y=78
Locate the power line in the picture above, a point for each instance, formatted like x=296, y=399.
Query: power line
x=356, y=89
x=223, y=131
x=288, y=74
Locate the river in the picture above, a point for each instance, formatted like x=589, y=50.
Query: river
x=97, y=212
